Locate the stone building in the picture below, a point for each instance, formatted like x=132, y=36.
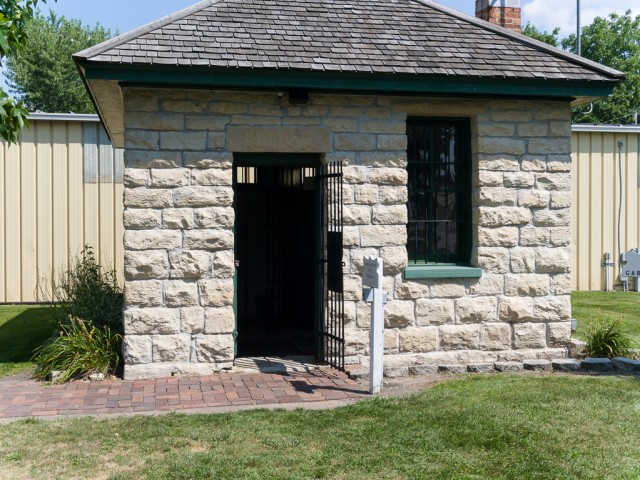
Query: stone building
x=271, y=145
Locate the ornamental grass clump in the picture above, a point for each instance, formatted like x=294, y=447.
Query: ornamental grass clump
x=86, y=303
x=79, y=350
x=608, y=339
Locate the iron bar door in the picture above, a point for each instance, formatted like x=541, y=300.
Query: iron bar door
x=331, y=325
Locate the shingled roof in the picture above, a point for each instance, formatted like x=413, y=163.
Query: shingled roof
x=407, y=47
x=365, y=36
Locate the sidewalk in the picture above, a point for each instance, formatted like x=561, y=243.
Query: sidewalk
x=21, y=397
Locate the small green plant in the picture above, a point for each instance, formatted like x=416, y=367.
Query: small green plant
x=86, y=303
x=607, y=339
x=86, y=291
x=79, y=350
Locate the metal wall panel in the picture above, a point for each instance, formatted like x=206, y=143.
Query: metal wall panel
x=596, y=197
x=60, y=188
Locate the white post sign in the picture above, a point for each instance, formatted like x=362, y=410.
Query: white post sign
x=372, y=277
x=631, y=267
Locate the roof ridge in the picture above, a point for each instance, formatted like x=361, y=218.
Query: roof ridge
x=523, y=38
x=136, y=32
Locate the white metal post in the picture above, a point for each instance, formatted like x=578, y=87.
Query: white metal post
x=376, y=342
x=372, y=277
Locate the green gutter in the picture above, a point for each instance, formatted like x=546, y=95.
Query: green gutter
x=153, y=75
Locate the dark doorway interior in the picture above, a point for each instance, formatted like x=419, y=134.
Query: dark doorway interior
x=276, y=250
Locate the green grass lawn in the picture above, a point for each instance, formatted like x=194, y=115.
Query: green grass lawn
x=22, y=329
x=499, y=426
x=588, y=307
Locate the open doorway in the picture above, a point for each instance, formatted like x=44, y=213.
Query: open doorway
x=277, y=275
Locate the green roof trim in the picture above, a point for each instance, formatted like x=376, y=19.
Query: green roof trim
x=165, y=76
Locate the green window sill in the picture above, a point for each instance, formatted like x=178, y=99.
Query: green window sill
x=441, y=271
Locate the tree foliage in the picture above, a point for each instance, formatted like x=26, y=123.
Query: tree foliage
x=14, y=19
x=544, y=36
x=615, y=42
x=44, y=76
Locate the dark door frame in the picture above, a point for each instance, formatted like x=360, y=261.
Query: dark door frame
x=303, y=160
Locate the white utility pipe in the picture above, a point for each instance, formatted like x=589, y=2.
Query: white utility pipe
x=607, y=271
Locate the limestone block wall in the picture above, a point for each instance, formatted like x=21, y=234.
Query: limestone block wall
x=520, y=307
x=179, y=263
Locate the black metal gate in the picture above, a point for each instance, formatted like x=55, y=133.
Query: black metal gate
x=331, y=331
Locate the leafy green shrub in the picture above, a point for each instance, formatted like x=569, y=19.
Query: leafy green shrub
x=78, y=351
x=607, y=339
x=86, y=291
x=86, y=302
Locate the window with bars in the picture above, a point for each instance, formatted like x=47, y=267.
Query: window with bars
x=439, y=170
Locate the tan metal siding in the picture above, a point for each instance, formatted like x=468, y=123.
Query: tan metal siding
x=48, y=211
x=596, y=190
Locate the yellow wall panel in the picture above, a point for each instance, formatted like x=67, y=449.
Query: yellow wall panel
x=118, y=237
x=596, y=179
x=45, y=198
x=13, y=234
x=47, y=210
x=3, y=250
x=76, y=189
x=29, y=214
x=60, y=197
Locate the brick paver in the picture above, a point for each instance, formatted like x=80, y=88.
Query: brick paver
x=21, y=398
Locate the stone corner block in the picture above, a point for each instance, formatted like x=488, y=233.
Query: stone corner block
x=459, y=337
x=452, y=369
x=151, y=321
x=214, y=348
x=418, y=339
x=537, y=365
x=216, y=292
x=596, y=364
x=136, y=349
x=395, y=371
x=565, y=364
x=626, y=364
x=279, y=139
x=171, y=348
x=508, y=366
x=423, y=370
x=399, y=313
x=480, y=368
x=529, y=336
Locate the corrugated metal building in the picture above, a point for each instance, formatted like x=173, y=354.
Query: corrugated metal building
x=600, y=153
x=60, y=188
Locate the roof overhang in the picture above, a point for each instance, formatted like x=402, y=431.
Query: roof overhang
x=588, y=127
x=105, y=82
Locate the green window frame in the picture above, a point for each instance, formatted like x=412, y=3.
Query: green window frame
x=439, y=168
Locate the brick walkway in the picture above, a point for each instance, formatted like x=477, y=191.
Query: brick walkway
x=20, y=398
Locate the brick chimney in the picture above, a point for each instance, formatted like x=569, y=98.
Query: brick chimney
x=505, y=13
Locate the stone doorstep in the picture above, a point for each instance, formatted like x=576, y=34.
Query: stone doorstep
x=276, y=365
